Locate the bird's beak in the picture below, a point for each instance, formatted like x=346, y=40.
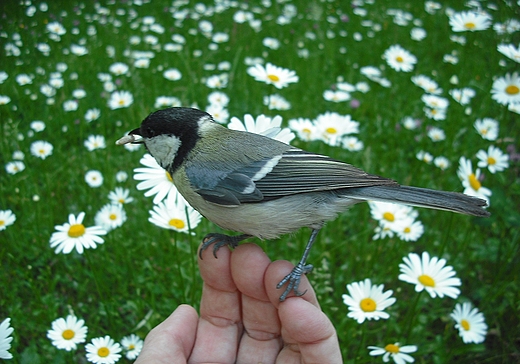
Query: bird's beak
x=133, y=137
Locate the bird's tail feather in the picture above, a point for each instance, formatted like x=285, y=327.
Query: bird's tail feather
x=421, y=197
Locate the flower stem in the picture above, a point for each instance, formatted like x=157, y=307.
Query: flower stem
x=411, y=316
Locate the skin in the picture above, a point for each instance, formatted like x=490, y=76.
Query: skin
x=241, y=318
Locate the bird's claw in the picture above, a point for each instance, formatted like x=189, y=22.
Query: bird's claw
x=293, y=280
x=220, y=240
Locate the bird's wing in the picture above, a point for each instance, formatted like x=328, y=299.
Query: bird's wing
x=291, y=172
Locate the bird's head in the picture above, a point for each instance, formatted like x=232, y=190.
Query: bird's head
x=169, y=134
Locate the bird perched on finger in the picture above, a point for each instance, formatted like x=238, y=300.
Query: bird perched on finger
x=261, y=187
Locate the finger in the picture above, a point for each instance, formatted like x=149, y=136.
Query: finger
x=172, y=340
x=261, y=341
x=220, y=321
x=275, y=273
x=312, y=336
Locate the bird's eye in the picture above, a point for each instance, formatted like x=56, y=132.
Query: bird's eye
x=150, y=132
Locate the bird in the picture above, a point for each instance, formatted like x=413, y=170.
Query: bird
x=261, y=187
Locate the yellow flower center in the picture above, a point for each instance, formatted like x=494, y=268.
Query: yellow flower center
x=112, y=216
x=399, y=59
x=464, y=324
x=407, y=230
x=426, y=280
x=470, y=25
x=331, y=130
x=306, y=131
x=169, y=176
x=121, y=200
x=388, y=216
x=77, y=230
x=41, y=151
x=512, y=90
x=131, y=347
x=391, y=348
x=368, y=304
x=103, y=352
x=121, y=102
x=2, y=222
x=273, y=78
x=474, y=182
x=68, y=334
x=491, y=160
x=177, y=223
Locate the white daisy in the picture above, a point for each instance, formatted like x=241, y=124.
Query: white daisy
x=162, y=102
x=427, y=84
x=366, y=301
x=510, y=51
x=441, y=162
x=94, y=142
x=352, y=144
x=487, y=128
x=276, y=102
x=120, y=99
x=436, y=134
x=494, y=159
x=469, y=21
x=424, y=156
x=7, y=218
x=177, y=216
x=390, y=214
x=272, y=75
x=120, y=195
x=398, y=353
x=14, y=167
x=263, y=125
x=41, y=149
x=409, y=229
x=119, y=68
x=94, y=178
x=471, y=181
x=470, y=323
x=103, y=350
x=506, y=90
x=37, y=126
x=462, y=96
x=431, y=275
x=5, y=339
x=336, y=96
x=331, y=127
x=305, y=128
x=399, y=58
x=218, y=98
x=435, y=102
x=92, y=114
x=75, y=235
x=133, y=345
x=172, y=74
x=220, y=114
x=110, y=216
x=156, y=180
x=67, y=332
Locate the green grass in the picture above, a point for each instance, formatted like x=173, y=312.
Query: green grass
x=141, y=269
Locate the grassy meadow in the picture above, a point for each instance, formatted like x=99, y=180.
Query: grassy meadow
x=142, y=272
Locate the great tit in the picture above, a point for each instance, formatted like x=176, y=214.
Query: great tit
x=261, y=187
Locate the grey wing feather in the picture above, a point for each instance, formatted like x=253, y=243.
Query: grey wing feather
x=292, y=172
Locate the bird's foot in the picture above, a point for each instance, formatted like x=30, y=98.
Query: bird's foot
x=293, y=280
x=220, y=240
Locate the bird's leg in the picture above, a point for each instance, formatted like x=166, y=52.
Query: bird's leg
x=293, y=279
x=220, y=240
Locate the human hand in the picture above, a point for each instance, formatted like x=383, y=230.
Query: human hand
x=241, y=317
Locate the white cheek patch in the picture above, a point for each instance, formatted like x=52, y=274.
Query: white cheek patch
x=164, y=148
